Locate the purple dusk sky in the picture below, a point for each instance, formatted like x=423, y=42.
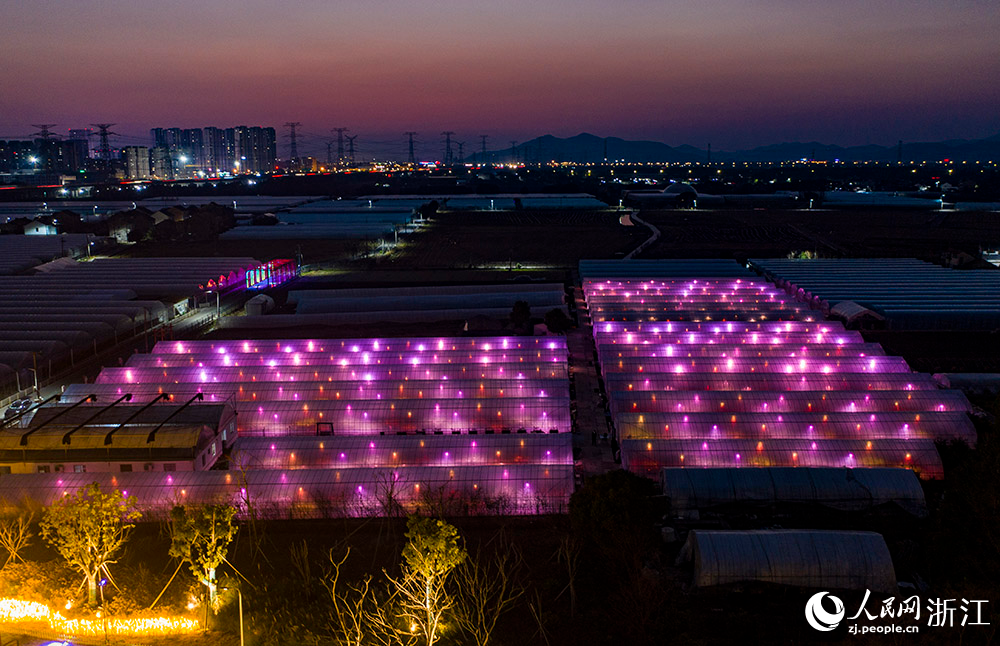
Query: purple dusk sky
x=736, y=73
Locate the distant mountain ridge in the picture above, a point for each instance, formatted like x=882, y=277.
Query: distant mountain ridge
x=586, y=147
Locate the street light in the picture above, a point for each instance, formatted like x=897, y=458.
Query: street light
x=218, y=306
x=34, y=371
x=239, y=595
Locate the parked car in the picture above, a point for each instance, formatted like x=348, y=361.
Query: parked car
x=17, y=407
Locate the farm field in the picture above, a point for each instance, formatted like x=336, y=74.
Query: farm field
x=741, y=233
x=508, y=238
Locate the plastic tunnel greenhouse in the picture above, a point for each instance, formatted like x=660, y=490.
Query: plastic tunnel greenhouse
x=825, y=560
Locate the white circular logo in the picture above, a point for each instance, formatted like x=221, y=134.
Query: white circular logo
x=818, y=617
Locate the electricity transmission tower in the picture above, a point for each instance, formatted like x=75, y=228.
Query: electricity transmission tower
x=447, y=147
x=43, y=131
x=461, y=154
x=294, y=149
x=412, y=159
x=104, y=150
x=350, y=148
x=340, y=143
x=482, y=148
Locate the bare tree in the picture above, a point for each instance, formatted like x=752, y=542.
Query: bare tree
x=387, y=493
x=568, y=552
x=489, y=585
x=539, y=616
x=360, y=614
x=298, y=553
x=15, y=534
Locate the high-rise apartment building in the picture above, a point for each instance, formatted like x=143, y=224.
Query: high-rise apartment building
x=215, y=150
x=220, y=149
x=161, y=163
x=137, y=162
x=256, y=149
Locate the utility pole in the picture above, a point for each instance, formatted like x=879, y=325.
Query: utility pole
x=513, y=151
x=294, y=151
x=482, y=146
x=104, y=150
x=447, y=147
x=340, y=143
x=350, y=148
x=412, y=159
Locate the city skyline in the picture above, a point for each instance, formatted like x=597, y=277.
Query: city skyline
x=737, y=75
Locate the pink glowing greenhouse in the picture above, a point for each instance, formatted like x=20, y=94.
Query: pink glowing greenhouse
x=323, y=493
x=731, y=373
x=331, y=427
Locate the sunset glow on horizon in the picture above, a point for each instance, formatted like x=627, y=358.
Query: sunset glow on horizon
x=734, y=73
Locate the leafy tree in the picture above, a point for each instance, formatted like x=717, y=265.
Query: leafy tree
x=200, y=537
x=88, y=529
x=430, y=554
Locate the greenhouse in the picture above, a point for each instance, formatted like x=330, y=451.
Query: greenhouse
x=761, y=426
x=810, y=401
x=737, y=350
x=648, y=457
x=479, y=425
x=703, y=267
x=853, y=382
x=827, y=560
x=764, y=365
x=102, y=302
x=698, y=490
x=403, y=451
x=909, y=293
x=750, y=390
x=321, y=493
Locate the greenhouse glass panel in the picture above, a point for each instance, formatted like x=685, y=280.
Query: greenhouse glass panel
x=699, y=373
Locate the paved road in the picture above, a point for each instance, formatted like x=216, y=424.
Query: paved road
x=590, y=406
x=184, y=327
